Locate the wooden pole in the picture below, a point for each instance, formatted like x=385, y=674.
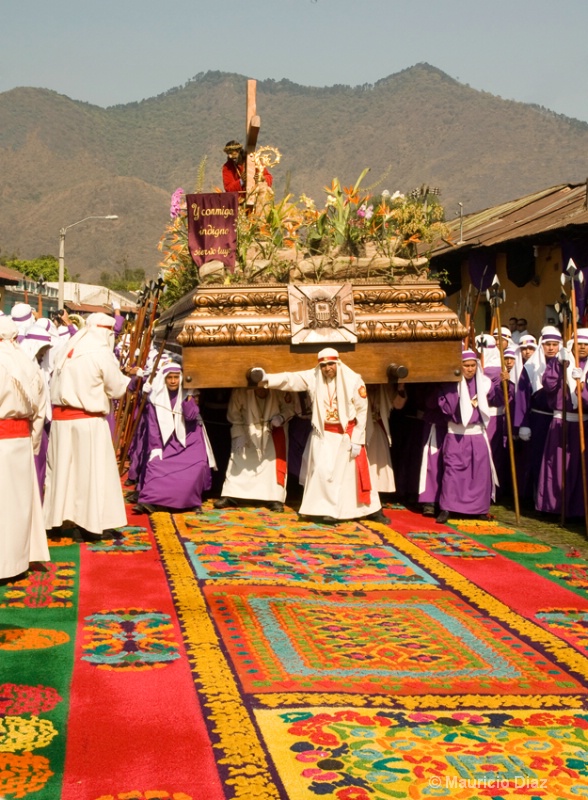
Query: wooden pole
x=513, y=468
x=496, y=297
x=580, y=407
x=137, y=417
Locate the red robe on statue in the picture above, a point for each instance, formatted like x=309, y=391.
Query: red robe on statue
x=233, y=173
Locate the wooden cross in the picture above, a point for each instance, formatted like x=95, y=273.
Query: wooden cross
x=253, y=124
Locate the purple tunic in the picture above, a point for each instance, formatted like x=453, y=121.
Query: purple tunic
x=496, y=430
x=532, y=410
x=549, y=488
x=467, y=475
x=179, y=478
x=41, y=458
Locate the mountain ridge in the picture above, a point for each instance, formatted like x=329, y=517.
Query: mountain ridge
x=64, y=159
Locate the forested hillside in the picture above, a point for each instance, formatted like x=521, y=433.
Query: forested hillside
x=62, y=160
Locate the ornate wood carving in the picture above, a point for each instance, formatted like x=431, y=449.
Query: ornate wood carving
x=305, y=314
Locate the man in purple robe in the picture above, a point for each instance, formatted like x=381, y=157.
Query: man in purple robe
x=469, y=477
x=179, y=455
x=560, y=380
x=533, y=413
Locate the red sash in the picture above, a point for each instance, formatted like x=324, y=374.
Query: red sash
x=279, y=438
x=15, y=428
x=61, y=413
x=362, y=467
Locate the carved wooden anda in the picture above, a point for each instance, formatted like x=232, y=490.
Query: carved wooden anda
x=233, y=328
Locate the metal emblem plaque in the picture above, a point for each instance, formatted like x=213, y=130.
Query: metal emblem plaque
x=321, y=314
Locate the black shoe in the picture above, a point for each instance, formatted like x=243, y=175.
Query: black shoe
x=428, y=510
x=442, y=517
x=129, y=482
x=330, y=520
x=132, y=497
x=83, y=535
x=379, y=516
x=276, y=507
x=144, y=508
x=197, y=510
x=225, y=502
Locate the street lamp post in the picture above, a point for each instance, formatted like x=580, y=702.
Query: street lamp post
x=60, y=291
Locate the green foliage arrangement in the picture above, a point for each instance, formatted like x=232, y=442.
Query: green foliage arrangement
x=289, y=241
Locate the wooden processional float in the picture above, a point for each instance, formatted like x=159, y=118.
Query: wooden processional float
x=385, y=332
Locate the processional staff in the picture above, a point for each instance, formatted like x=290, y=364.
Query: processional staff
x=563, y=309
x=496, y=295
x=123, y=438
x=129, y=361
x=573, y=275
x=135, y=422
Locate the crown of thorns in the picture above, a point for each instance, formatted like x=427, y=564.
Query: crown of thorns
x=232, y=146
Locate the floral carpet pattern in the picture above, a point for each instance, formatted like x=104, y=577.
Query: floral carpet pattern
x=369, y=661
x=244, y=655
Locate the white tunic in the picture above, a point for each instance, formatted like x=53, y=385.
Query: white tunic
x=381, y=401
x=251, y=472
x=22, y=537
x=83, y=484
x=330, y=488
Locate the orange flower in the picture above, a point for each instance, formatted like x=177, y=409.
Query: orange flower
x=351, y=194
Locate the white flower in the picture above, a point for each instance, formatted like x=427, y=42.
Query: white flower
x=397, y=196
x=385, y=193
x=331, y=201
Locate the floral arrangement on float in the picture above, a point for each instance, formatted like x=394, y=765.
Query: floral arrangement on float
x=358, y=234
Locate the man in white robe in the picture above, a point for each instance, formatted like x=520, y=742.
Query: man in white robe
x=83, y=485
x=382, y=398
x=22, y=411
x=337, y=483
x=258, y=467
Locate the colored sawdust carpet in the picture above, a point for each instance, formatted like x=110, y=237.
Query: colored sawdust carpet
x=250, y=655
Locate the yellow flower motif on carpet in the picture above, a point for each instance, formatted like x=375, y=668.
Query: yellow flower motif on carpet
x=18, y=733
x=522, y=547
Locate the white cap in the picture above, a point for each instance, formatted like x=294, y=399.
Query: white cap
x=328, y=354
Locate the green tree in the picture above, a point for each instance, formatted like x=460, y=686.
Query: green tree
x=123, y=280
x=46, y=267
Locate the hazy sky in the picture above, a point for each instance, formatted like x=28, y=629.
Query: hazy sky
x=117, y=51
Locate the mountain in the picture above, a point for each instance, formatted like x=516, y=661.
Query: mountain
x=62, y=160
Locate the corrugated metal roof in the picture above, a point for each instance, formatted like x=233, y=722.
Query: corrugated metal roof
x=538, y=213
x=8, y=275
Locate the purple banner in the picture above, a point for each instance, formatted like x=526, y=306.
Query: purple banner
x=212, y=227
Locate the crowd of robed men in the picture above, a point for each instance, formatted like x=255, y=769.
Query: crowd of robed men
x=322, y=429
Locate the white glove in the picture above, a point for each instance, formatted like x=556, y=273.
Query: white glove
x=115, y=305
x=577, y=373
x=139, y=373
x=147, y=388
x=563, y=354
x=354, y=450
x=257, y=374
x=239, y=443
x=277, y=420
x=524, y=434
